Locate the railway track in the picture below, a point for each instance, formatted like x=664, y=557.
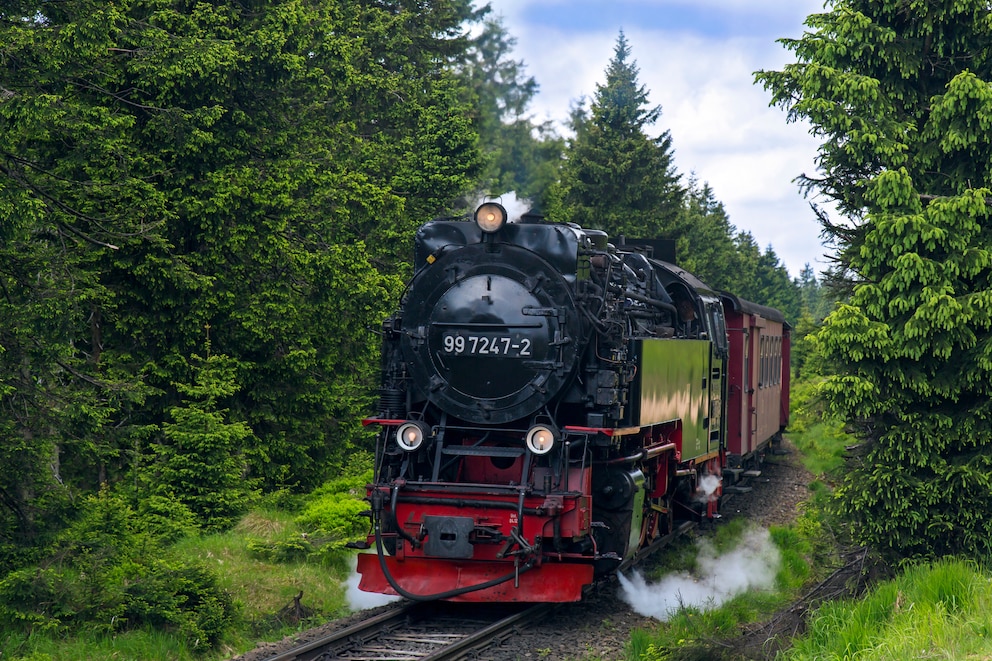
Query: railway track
x=434, y=631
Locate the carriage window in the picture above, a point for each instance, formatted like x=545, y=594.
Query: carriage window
x=763, y=378
x=771, y=361
x=717, y=325
x=778, y=360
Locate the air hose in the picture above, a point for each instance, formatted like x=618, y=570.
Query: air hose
x=450, y=594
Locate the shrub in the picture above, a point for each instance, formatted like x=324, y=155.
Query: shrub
x=332, y=516
x=178, y=596
x=288, y=548
x=106, y=573
x=166, y=518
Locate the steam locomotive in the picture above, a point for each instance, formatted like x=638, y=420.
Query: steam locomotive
x=552, y=404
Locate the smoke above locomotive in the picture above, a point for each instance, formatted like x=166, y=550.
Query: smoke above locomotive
x=550, y=405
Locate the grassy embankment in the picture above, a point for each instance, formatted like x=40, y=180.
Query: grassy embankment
x=264, y=563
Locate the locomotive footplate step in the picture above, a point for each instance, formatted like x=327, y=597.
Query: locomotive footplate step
x=732, y=475
x=752, y=473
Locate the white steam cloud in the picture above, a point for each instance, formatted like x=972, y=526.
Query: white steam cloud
x=750, y=566
x=708, y=485
x=359, y=600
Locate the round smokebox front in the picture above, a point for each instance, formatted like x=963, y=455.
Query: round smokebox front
x=493, y=337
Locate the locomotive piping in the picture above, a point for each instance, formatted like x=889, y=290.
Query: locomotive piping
x=651, y=301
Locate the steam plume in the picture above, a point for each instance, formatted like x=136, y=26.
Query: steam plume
x=515, y=207
x=359, y=600
x=750, y=566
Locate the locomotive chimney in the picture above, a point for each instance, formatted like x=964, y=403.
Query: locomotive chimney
x=533, y=215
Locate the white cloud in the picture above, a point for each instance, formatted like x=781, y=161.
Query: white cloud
x=722, y=127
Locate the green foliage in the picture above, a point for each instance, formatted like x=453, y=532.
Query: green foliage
x=939, y=610
x=216, y=180
x=522, y=156
x=329, y=518
x=203, y=209
x=616, y=178
x=915, y=383
x=181, y=597
x=711, y=248
x=295, y=547
x=107, y=574
x=335, y=519
x=819, y=436
x=200, y=460
x=333, y=515
x=899, y=94
x=761, y=277
x=166, y=518
x=704, y=239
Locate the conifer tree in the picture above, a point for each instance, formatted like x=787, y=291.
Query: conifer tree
x=616, y=177
x=705, y=239
x=258, y=167
x=200, y=459
x=901, y=95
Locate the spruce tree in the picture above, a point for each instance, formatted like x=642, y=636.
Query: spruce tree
x=901, y=95
x=199, y=455
x=616, y=177
x=705, y=239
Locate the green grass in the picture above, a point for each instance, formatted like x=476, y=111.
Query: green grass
x=823, y=445
x=265, y=589
x=132, y=646
x=820, y=438
x=941, y=610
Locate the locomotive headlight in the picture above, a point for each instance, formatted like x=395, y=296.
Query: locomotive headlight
x=540, y=439
x=490, y=217
x=411, y=435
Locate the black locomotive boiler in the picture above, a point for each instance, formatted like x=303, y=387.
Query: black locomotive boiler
x=551, y=404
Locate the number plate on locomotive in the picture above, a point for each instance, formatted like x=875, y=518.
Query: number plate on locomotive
x=486, y=345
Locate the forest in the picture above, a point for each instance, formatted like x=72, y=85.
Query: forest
x=206, y=210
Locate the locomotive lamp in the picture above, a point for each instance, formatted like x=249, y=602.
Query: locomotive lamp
x=411, y=435
x=540, y=439
x=490, y=217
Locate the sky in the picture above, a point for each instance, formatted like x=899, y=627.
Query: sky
x=697, y=59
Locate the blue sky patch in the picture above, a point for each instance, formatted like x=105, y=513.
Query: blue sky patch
x=594, y=15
